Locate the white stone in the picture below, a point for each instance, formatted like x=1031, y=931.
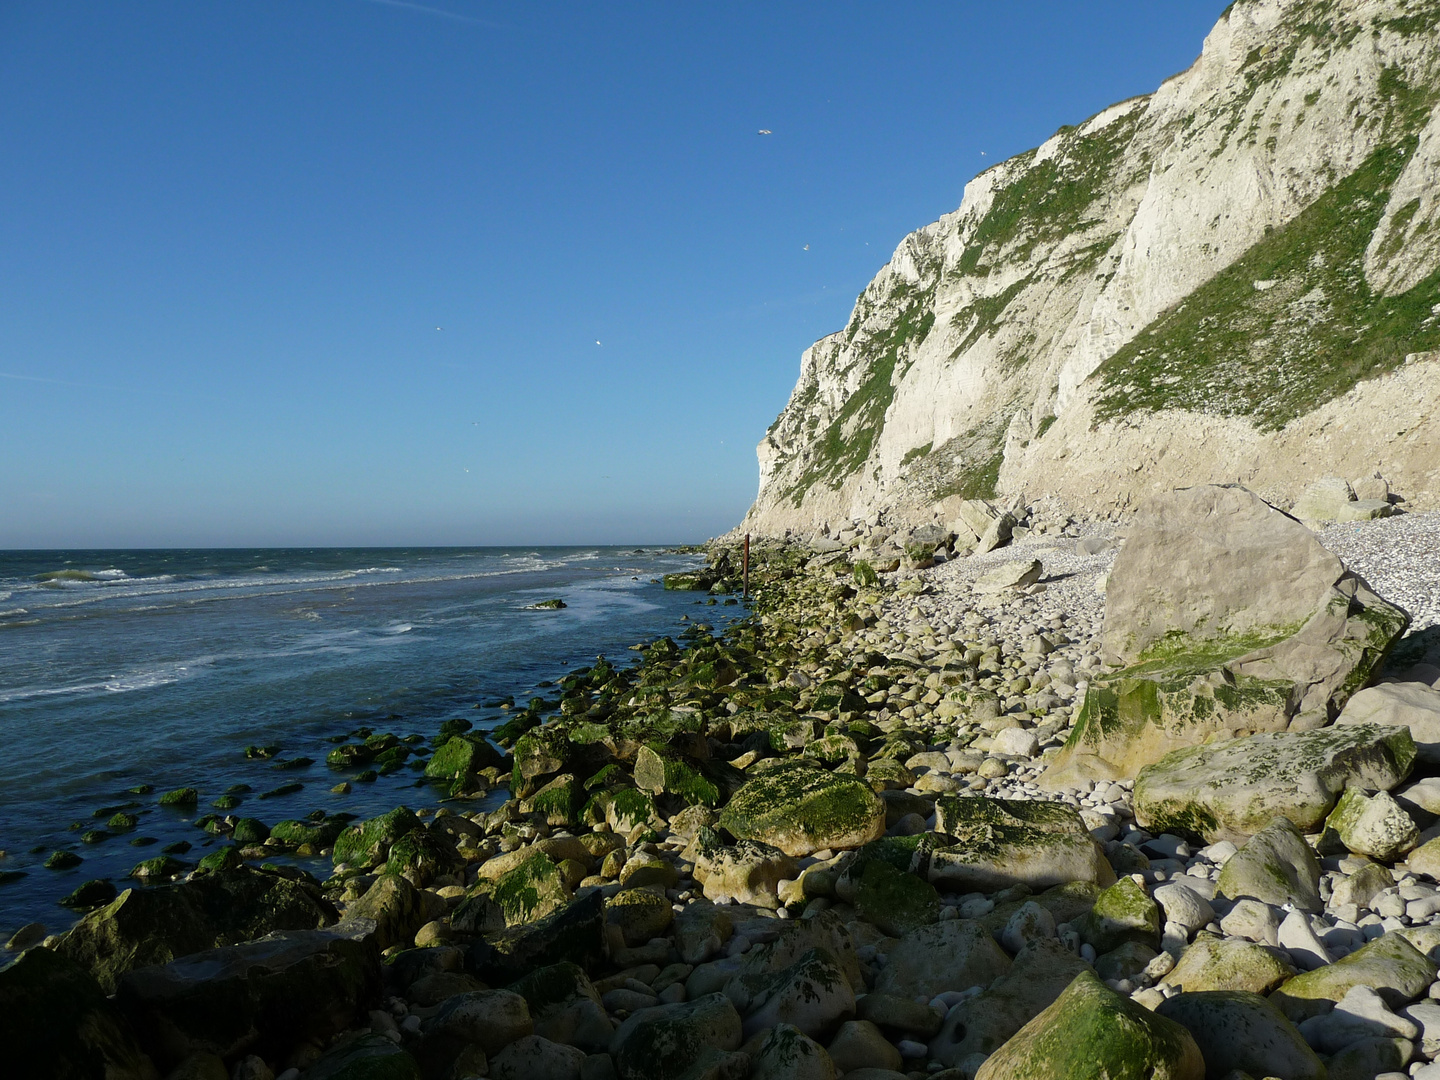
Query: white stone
x=1360, y=1014
x=1297, y=937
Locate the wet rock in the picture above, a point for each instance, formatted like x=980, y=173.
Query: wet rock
x=576, y=933
x=367, y=845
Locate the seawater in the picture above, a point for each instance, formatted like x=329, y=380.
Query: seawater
x=124, y=668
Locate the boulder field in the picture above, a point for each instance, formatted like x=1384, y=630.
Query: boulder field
x=892, y=824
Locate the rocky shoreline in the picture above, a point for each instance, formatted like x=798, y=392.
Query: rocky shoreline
x=877, y=829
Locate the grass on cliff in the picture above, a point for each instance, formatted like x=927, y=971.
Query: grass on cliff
x=1305, y=334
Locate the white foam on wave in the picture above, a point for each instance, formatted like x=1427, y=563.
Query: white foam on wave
x=12, y=611
x=163, y=675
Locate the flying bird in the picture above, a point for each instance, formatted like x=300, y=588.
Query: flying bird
x=764, y=131
x=807, y=247
x=598, y=343
x=439, y=328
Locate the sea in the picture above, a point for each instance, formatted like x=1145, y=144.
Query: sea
x=120, y=669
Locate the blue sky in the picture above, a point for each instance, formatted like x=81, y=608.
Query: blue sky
x=231, y=231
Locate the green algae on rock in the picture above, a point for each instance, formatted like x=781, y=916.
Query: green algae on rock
x=1390, y=965
x=1230, y=790
x=1092, y=1033
x=996, y=843
x=366, y=845
x=1122, y=913
x=801, y=809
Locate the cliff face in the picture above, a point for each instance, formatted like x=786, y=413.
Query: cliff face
x=1214, y=282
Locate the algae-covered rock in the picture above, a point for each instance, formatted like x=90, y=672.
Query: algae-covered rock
x=154, y=926
x=185, y=798
x=1092, y=1033
x=955, y=954
x=789, y=1054
x=667, y=1042
x=981, y=1024
x=699, y=783
x=1373, y=825
x=1406, y=704
x=1275, y=866
x=368, y=1057
x=558, y=799
x=395, y=907
x=640, y=914
x=800, y=808
x=748, y=871
x=461, y=757
x=812, y=995
x=1230, y=790
x=532, y=890
x=1214, y=963
x=1242, y=1031
x=1122, y=913
x=314, y=834
x=1230, y=619
x=1390, y=965
x=367, y=845
x=894, y=900
x=59, y=1023
x=1002, y=842
x=422, y=855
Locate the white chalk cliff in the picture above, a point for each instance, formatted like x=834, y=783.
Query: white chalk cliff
x=1236, y=277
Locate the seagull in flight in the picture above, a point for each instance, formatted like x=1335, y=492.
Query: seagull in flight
x=598, y=343
x=807, y=247
x=764, y=131
x=439, y=328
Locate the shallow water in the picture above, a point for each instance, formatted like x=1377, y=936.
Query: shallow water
x=123, y=668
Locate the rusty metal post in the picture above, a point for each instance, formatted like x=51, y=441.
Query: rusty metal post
x=745, y=565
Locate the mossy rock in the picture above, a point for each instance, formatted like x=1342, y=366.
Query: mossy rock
x=461, y=757
x=801, y=809
x=420, y=856
x=1389, y=965
x=250, y=830
x=698, y=782
x=1092, y=1033
x=997, y=843
x=640, y=914
x=559, y=800
x=185, y=798
x=624, y=809
x=894, y=900
x=62, y=860
x=122, y=820
x=552, y=986
x=350, y=756
x=160, y=868
x=531, y=891
x=367, y=845
x=1122, y=913
x=1214, y=963
x=294, y=834
x=226, y=802
x=1232, y=789
x=90, y=895
x=227, y=858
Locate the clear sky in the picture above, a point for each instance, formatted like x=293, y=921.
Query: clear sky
x=345, y=272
